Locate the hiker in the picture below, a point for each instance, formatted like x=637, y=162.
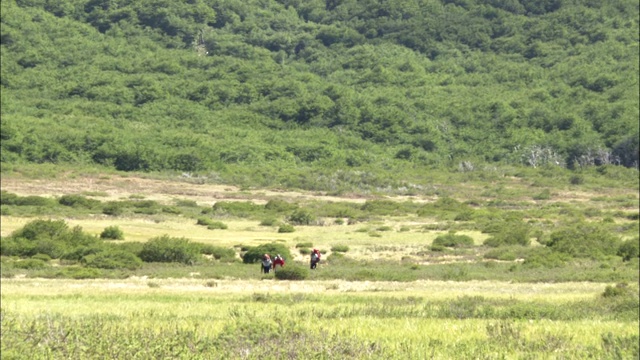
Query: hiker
x=266, y=263
x=315, y=258
x=278, y=260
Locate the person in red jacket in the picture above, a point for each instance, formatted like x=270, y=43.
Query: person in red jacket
x=315, y=258
x=278, y=260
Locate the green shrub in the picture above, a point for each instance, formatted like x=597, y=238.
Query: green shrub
x=621, y=289
x=254, y=253
x=540, y=257
x=584, y=240
x=292, y=273
x=453, y=240
x=112, y=260
x=171, y=210
x=304, y=245
x=7, y=198
x=437, y=248
x=43, y=257
x=280, y=206
x=286, y=228
x=112, y=233
x=113, y=208
x=186, y=203
x=340, y=248
x=301, y=217
x=384, y=228
x=217, y=225
x=39, y=229
x=464, y=216
x=204, y=221
x=305, y=251
x=33, y=200
x=269, y=222
x=629, y=249
x=543, y=195
x=30, y=264
x=512, y=233
x=170, y=249
x=236, y=208
x=339, y=221
x=217, y=252
x=78, y=201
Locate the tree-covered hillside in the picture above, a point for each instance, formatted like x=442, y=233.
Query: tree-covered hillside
x=310, y=93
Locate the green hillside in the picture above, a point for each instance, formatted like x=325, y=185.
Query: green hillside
x=315, y=94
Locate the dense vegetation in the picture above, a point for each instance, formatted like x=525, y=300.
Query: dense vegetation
x=319, y=94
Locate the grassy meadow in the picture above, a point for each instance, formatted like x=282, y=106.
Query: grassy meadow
x=386, y=289
x=197, y=319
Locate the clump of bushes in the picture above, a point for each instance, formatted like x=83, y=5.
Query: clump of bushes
x=304, y=245
x=217, y=225
x=629, y=249
x=113, y=260
x=286, y=228
x=78, y=201
x=254, y=253
x=170, y=249
x=292, y=273
x=113, y=208
x=510, y=233
x=218, y=252
x=279, y=206
x=112, y=233
x=301, y=217
x=453, y=240
x=269, y=222
x=340, y=248
x=584, y=240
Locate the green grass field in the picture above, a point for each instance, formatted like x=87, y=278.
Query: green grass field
x=384, y=293
x=235, y=319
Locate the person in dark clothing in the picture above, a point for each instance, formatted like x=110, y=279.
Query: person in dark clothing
x=315, y=258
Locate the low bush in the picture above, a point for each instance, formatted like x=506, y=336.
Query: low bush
x=204, y=221
x=41, y=229
x=254, y=253
x=113, y=208
x=30, y=264
x=269, y=222
x=113, y=260
x=453, y=240
x=512, y=233
x=237, y=208
x=217, y=225
x=217, y=252
x=301, y=217
x=286, y=228
x=112, y=233
x=620, y=290
x=78, y=201
x=170, y=249
x=304, y=245
x=629, y=249
x=305, y=251
x=171, y=210
x=33, y=200
x=279, y=206
x=292, y=273
x=584, y=240
x=186, y=203
x=340, y=248
x=43, y=257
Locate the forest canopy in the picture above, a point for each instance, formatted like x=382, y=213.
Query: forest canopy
x=257, y=89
